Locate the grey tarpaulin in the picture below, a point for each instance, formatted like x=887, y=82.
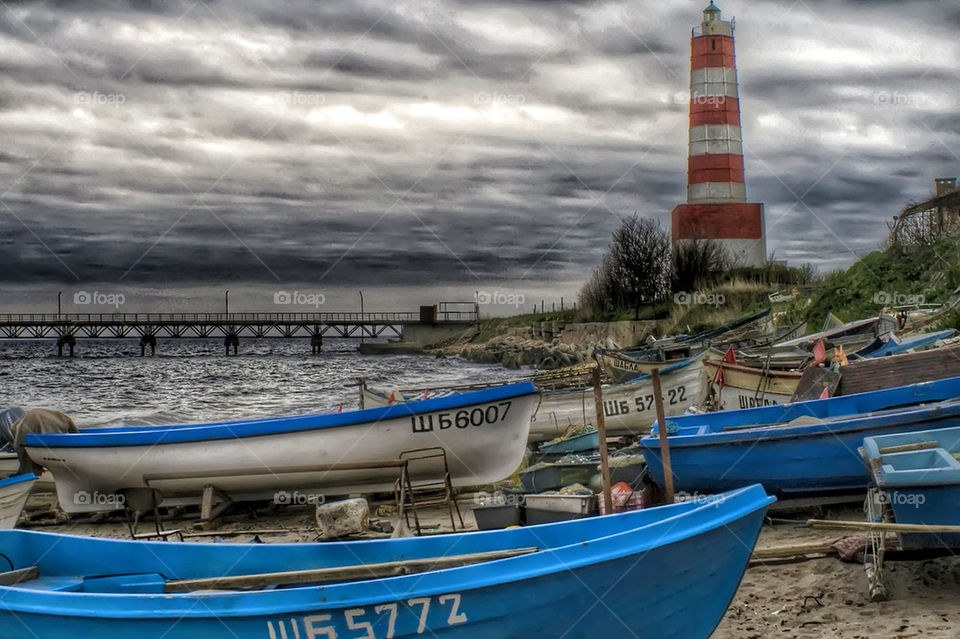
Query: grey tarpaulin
x=38, y=420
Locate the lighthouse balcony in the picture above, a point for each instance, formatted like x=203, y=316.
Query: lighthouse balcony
x=717, y=27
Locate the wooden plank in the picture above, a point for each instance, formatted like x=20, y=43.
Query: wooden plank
x=20, y=575
x=206, y=502
x=341, y=573
x=895, y=370
x=906, y=448
x=792, y=550
x=882, y=526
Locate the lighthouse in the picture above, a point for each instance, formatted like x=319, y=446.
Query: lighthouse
x=716, y=206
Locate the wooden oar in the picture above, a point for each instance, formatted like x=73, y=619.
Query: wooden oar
x=340, y=573
x=905, y=448
x=883, y=526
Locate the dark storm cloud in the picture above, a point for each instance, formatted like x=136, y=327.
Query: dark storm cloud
x=443, y=142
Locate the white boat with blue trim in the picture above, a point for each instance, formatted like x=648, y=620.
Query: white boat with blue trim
x=483, y=434
x=628, y=407
x=14, y=492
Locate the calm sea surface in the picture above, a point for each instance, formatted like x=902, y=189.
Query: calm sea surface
x=189, y=381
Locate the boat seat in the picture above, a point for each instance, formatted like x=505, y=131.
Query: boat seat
x=54, y=583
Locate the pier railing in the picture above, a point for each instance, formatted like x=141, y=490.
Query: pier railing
x=229, y=318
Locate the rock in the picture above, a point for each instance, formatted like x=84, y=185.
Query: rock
x=342, y=518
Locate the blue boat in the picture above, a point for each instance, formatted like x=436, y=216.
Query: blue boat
x=890, y=344
x=922, y=484
x=578, y=444
x=662, y=572
x=801, y=448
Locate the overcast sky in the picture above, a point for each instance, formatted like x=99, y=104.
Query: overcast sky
x=455, y=145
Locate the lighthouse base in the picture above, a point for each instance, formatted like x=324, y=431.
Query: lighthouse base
x=738, y=227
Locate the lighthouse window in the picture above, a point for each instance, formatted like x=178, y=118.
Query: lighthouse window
x=713, y=45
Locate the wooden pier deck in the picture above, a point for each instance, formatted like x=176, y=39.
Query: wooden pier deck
x=67, y=328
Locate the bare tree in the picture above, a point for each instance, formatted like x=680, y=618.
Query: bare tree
x=641, y=257
x=698, y=263
x=635, y=271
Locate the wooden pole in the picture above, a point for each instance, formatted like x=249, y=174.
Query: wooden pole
x=602, y=440
x=664, y=444
x=883, y=526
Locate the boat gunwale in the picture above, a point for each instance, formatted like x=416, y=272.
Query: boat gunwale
x=740, y=368
x=193, y=433
x=767, y=434
x=937, y=409
x=17, y=479
x=742, y=503
x=618, y=386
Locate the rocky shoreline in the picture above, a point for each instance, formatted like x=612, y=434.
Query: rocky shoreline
x=544, y=345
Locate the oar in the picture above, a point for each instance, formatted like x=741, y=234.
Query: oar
x=883, y=526
x=906, y=448
x=340, y=573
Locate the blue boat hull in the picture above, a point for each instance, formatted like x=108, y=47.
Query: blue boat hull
x=806, y=459
x=922, y=485
x=927, y=505
x=579, y=444
x=675, y=578
x=820, y=464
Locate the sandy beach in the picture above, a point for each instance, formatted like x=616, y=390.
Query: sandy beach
x=827, y=597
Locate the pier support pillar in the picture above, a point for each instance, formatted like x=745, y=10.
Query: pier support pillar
x=148, y=340
x=231, y=340
x=316, y=343
x=66, y=340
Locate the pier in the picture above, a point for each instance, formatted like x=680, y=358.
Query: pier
x=429, y=323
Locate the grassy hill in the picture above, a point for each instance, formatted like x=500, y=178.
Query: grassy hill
x=889, y=278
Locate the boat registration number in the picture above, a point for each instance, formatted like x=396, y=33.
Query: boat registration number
x=614, y=407
x=374, y=622
x=479, y=416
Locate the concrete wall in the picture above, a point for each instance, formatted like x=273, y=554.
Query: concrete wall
x=429, y=333
x=623, y=334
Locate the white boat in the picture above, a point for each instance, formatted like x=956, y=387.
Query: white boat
x=9, y=463
x=483, y=434
x=748, y=386
x=628, y=407
x=13, y=495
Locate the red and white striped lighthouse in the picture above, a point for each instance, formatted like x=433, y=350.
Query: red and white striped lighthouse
x=717, y=205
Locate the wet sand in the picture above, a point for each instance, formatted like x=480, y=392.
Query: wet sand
x=828, y=597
